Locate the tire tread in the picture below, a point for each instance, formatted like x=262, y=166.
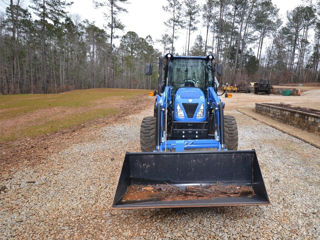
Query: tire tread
x=230, y=132
x=148, y=134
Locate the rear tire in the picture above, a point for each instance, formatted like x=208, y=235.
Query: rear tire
x=148, y=134
x=230, y=132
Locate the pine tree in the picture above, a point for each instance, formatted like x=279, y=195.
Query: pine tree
x=49, y=12
x=15, y=24
x=293, y=28
x=266, y=21
x=208, y=17
x=166, y=41
x=192, y=10
x=175, y=22
x=198, y=47
x=114, y=8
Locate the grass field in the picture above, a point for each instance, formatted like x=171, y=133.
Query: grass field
x=29, y=115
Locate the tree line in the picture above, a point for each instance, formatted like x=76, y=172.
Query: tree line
x=249, y=38
x=44, y=50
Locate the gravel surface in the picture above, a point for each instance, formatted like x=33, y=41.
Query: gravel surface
x=69, y=195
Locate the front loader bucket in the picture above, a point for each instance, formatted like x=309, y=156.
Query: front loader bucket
x=190, y=179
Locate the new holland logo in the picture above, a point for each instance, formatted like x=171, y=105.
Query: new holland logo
x=190, y=100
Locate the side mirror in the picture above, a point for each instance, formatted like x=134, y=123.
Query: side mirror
x=148, y=69
x=219, y=70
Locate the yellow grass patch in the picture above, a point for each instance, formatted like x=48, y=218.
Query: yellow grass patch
x=29, y=115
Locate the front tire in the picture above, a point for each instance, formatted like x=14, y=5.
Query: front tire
x=148, y=134
x=230, y=133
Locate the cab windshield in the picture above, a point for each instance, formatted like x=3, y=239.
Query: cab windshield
x=189, y=73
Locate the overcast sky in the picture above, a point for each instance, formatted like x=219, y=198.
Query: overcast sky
x=146, y=17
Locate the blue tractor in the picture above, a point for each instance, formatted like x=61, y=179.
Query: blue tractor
x=189, y=115
x=188, y=112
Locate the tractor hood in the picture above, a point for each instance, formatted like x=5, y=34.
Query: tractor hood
x=190, y=105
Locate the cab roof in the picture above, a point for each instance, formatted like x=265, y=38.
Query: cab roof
x=171, y=56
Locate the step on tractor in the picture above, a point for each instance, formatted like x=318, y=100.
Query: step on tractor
x=171, y=172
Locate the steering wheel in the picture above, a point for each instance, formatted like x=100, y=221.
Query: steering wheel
x=190, y=83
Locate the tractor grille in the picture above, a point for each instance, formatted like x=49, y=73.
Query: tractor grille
x=190, y=109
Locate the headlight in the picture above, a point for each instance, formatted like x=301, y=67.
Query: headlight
x=200, y=113
x=180, y=112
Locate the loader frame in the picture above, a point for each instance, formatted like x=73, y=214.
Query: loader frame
x=160, y=177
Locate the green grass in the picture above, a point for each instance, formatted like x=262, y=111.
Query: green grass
x=15, y=105
x=12, y=106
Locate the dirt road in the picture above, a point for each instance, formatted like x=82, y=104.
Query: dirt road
x=309, y=99
x=68, y=194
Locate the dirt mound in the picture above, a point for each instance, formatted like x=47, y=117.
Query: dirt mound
x=167, y=192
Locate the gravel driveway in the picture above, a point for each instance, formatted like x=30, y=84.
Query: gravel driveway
x=69, y=195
